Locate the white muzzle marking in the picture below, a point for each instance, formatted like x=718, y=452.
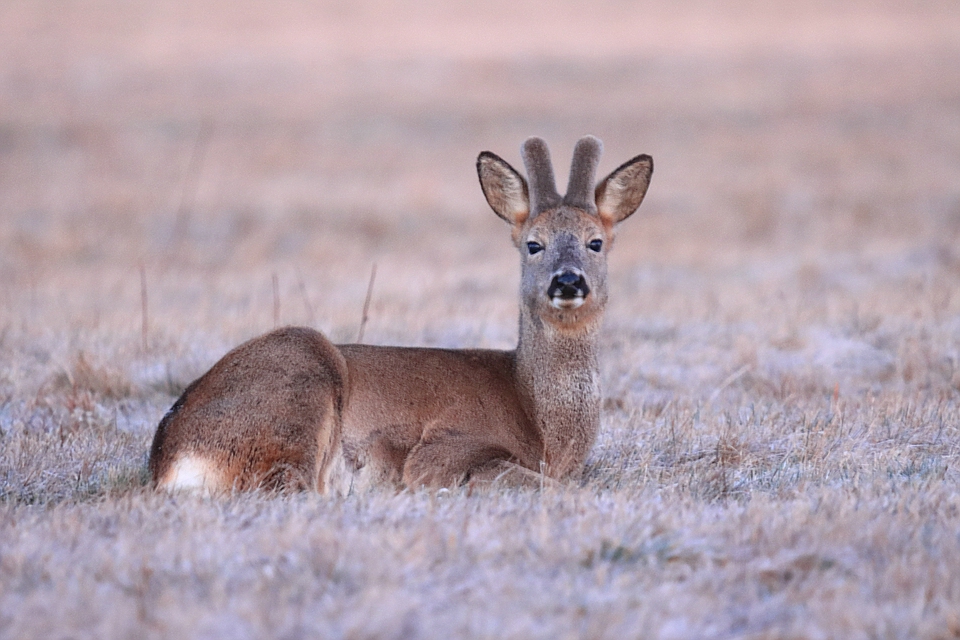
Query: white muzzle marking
x=567, y=303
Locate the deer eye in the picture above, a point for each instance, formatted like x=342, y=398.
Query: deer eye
x=595, y=245
x=534, y=247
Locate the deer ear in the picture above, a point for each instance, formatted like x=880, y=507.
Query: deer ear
x=620, y=193
x=505, y=189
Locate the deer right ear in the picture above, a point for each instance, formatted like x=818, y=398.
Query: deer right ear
x=620, y=193
x=505, y=189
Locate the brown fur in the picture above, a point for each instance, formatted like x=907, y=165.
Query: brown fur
x=430, y=416
x=268, y=414
x=274, y=411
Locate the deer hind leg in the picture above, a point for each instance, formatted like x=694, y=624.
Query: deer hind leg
x=296, y=456
x=267, y=415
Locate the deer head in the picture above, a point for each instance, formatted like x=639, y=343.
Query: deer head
x=563, y=241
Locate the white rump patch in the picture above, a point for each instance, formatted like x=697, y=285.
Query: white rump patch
x=192, y=473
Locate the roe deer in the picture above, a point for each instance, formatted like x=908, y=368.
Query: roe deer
x=281, y=409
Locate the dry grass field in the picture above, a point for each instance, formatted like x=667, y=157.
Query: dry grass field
x=781, y=356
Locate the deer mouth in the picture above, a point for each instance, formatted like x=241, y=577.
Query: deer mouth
x=567, y=303
x=568, y=290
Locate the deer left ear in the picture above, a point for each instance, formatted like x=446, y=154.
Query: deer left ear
x=505, y=189
x=620, y=193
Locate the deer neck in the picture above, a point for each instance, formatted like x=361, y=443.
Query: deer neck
x=559, y=377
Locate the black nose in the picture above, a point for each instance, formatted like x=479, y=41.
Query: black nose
x=567, y=285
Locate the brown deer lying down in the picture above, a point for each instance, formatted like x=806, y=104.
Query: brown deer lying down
x=288, y=408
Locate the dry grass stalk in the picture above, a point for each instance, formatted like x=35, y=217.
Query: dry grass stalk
x=366, y=303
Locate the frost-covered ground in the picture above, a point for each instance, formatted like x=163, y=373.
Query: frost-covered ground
x=781, y=357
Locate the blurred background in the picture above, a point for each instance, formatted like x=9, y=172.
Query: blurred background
x=780, y=359
x=237, y=165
